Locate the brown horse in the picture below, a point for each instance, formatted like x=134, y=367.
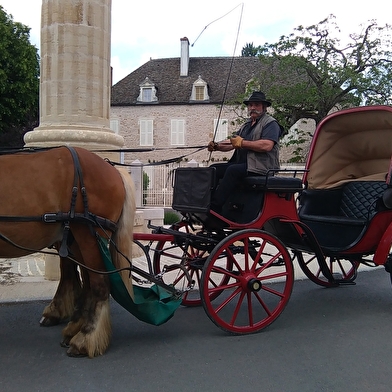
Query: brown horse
x=64, y=198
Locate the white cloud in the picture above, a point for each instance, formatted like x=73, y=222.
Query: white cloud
x=153, y=29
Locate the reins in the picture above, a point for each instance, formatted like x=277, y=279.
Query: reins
x=161, y=162
x=7, y=151
x=30, y=250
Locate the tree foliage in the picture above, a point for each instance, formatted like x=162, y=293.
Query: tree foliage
x=311, y=72
x=249, y=50
x=19, y=80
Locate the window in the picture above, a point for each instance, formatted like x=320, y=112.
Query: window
x=146, y=132
x=115, y=126
x=199, y=93
x=220, y=131
x=199, y=90
x=177, y=132
x=148, y=92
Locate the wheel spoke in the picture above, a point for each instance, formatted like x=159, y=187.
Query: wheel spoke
x=258, y=256
x=237, y=308
x=273, y=276
x=227, y=300
x=191, y=258
x=263, y=304
x=343, y=269
x=250, y=309
x=272, y=291
x=246, y=254
x=259, y=279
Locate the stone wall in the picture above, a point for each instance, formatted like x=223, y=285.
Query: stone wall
x=198, y=132
x=199, y=129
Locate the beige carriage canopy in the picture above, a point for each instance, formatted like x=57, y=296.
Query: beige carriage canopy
x=351, y=145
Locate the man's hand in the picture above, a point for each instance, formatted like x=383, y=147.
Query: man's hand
x=236, y=141
x=212, y=146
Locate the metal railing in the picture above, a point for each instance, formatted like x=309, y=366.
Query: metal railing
x=159, y=188
x=159, y=191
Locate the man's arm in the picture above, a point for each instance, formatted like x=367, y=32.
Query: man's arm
x=224, y=146
x=270, y=136
x=261, y=145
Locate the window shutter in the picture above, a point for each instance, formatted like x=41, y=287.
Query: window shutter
x=177, y=135
x=221, y=130
x=115, y=126
x=146, y=132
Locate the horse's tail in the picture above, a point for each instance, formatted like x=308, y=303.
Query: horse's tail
x=123, y=237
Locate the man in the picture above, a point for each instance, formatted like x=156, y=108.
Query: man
x=256, y=149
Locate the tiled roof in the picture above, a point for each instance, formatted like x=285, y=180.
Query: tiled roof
x=175, y=89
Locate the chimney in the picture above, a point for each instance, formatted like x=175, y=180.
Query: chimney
x=184, y=61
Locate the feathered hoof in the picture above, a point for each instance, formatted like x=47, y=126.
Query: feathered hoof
x=73, y=352
x=49, y=321
x=65, y=343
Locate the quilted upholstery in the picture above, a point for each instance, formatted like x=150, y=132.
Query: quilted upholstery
x=359, y=198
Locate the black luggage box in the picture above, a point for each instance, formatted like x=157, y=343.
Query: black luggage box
x=192, y=189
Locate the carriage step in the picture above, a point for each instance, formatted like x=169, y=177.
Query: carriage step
x=344, y=282
x=340, y=281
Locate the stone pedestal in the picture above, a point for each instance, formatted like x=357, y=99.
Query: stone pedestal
x=75, y=78
x=75, y=81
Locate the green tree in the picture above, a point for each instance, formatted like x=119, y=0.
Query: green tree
x=19, y=81
x=310, y=72
x=146, y=183
x=249, y=50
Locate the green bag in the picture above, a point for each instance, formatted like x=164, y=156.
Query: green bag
x=153, y=305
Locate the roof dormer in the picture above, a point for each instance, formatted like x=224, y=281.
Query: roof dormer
x=199, y=90
x=148, y=92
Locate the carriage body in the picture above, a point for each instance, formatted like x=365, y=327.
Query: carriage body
x=342, y=197
x=331, y=217
x=349, y=163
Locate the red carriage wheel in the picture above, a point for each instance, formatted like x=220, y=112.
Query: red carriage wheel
x=257, y=285
x=190, y=256
x=341, y=269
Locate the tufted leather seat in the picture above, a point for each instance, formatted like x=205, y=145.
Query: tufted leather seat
x=339, y=217
x=359, y=198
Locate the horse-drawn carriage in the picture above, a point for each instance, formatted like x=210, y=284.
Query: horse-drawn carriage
x=332, y=216
x=335, y=218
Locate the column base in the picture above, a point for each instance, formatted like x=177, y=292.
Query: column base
x=76, y=137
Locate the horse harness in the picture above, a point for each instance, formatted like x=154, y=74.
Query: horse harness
x=70, y=216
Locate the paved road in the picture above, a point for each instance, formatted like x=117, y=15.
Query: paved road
x=325, y=340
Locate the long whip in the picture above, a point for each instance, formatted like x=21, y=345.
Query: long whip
x=230, y=69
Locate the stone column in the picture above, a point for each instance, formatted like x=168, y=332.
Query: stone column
x=75, y=76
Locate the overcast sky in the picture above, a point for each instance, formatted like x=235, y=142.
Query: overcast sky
x=141, y=31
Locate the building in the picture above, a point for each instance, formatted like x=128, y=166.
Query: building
x=169, y=109
x=174, y=103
